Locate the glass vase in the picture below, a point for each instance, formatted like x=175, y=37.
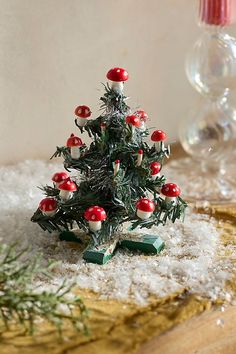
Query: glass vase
x=208, y=133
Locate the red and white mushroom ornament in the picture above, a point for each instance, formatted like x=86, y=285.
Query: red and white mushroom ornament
x=95, y=215
x=116, y=167
x=59, y=177
x=140, y=158
x=133, y=122
x=48, y=206
x=145, y=208
x=66, y=189
x=82, y=112
x=117, y=77
x=158, y=137
x=155, y=168
x=74, y=143
x=143, y=118
x=171, y=191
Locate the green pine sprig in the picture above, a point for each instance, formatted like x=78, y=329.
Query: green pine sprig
x=22, y=304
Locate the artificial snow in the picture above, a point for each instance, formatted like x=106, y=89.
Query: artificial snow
x=193, y=257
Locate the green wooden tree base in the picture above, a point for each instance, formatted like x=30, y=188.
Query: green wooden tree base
x=147, y=243
x=100, y=254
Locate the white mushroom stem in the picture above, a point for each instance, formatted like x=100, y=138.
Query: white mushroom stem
x=154, y=177
x=144, y=214
x=117, y=86
x=95, y=225
x=65, y=195
x=139, y=159
x=142, y=126
x=116, y=168
x=49, y=213
x=81, y=122
x=158, y=146
x=170, y=199
x=75, y=152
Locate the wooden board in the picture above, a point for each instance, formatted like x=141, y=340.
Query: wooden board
x=200, y=335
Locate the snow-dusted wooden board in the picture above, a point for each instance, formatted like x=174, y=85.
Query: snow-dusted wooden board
x=195, y=260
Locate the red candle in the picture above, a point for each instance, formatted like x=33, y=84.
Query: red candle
x=217, y=12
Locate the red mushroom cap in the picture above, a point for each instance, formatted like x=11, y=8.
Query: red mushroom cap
x=68, y=185
x=133, y=120
x=83, y=111
x=145, y=204
x=158, y=135
x=48, y=204
x=155, y=167
x=142, y=115
x=170, y=190
x=103, y=125
x=95, y=213
x=140, y=152
x=60, y=176
x=117, y=162
x=117, y=75
x=74, y=141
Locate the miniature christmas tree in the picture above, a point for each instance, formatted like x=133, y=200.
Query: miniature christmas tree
x=119, y=177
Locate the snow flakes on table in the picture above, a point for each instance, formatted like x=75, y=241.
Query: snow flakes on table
x=191, y=258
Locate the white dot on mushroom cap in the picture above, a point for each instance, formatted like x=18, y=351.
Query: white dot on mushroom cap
x=118, y=70
x=93, y=217
x=98, y=209
x=167, y=188
x=50, y=207
x=145, y=201
x=80, y=111
x=90, y=209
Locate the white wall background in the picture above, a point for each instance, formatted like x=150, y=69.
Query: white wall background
x=55, y=54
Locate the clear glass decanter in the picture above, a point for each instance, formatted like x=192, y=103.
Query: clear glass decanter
x=208, y=133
